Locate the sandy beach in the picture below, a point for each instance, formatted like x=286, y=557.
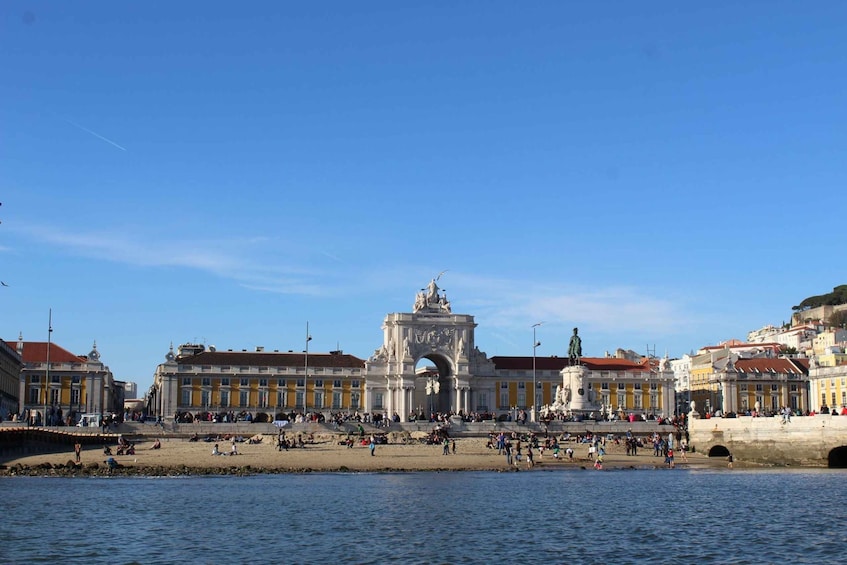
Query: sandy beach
x=326, y=454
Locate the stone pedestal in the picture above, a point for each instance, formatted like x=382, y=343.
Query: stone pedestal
x=577, y=396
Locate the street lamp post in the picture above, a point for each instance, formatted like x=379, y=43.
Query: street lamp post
x=535, y=344
x=47, y=367
x=306, y=377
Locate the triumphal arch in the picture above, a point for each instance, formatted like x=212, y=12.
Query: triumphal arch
x=432, y=332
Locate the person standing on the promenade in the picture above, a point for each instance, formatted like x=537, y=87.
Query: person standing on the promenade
x=729, y=461
x=78, y=452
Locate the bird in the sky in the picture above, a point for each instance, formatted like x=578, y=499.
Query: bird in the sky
x=3, y=283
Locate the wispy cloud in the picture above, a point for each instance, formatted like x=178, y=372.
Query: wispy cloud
x=517, y=303
x=233, y=258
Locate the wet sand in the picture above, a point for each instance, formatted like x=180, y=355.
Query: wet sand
x=180, y=456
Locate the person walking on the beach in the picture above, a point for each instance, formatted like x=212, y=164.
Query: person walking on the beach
x=446, y=450
x=729, y=461
x=372, y=445
x=78, y=452
x=529, y=461
x=234, y=450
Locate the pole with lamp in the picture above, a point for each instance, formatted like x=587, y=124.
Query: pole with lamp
x=306, y=377
x=433, y=387
x=47, y=369
x=535, y=344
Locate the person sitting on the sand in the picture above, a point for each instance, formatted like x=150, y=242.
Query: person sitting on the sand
x=107, y=450
x=194, y=437
x=156, y=444
x=215, y=451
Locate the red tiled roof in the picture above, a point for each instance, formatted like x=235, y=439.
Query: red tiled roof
x=778, y=365
x=559, y=363
x=36, y=352
x=268, y=359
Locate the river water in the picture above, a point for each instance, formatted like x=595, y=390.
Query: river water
x=576, y=516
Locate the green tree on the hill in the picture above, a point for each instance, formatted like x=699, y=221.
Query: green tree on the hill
x=834, y=298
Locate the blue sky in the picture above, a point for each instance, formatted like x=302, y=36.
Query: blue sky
x=660, y=175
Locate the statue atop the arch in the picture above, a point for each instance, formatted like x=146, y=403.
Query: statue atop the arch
x=430, y=300
x=575, y=348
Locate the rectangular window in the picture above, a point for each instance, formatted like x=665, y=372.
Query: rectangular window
x=654, y=401
x=504, y=385
x=336, y=400
x=843, y=398
x=604, y=398
x=336, y=384
x=742, y=387
x=301, y=382
x=504, y=400
x=621, y=386
x=186, y=397
x=186, y=381
x=482, y=401
x=794, y=402
x=355, y=384
x=35, y=379
x=354, y=400
x=243, y=398
x=522, y=398
x=759, y=387
x=263, y=382
x=621, y=401
x=761, y=400
x=76, y=379
x=281, y=383
x=245, y=382
x=298, y=399
x=319, y=383
x=744, y=405
x=833, y=400
x=774, y=387
x=206, y=381
x=55, y=379
x=225, y=382
x=823, y=399
x=33, y=395
x=794, y=388
x=604, y=386
x=224, y=398
x=654, y=386
x=204, y=398
x=263, y=399
x=637, y=386
x=636, y=402
x=319, y=400
x=378, y=401
x=280, y=399
x=521, y=385
x=74, y=396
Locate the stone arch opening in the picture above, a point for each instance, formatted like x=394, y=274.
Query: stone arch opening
x=433, y=385
x=718, y=451
x=837, y=458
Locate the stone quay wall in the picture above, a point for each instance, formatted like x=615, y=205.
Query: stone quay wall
x=804, y=441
